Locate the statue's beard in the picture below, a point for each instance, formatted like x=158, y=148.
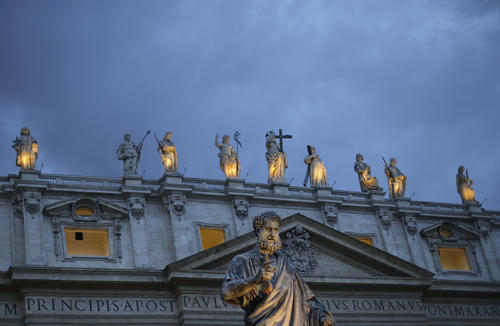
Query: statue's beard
x=269, y=247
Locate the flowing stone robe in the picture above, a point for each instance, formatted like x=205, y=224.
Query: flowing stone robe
x=290, y=303
x=397, y=182
x=229, y=161
x=317, y=170
x=26, y=147
x=168, y=154
x=464, y=188
x=129, y=154
x=366, y=181
x=276, y=162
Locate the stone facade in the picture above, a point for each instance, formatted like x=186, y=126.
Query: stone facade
x=157, y=274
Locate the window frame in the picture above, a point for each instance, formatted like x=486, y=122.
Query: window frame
x=201, y=225
x=113, y=256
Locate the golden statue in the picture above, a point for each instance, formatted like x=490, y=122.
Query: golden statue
x=396, y=180
x=229, y=161
x=464, y=186
x=316, y=171
x=168, y=153
x=366, y=181
x=26, y=147
x=276, y=159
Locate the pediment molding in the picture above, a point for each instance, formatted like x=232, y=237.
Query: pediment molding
x=103, y=209
x=332, y=245
x=449, y=232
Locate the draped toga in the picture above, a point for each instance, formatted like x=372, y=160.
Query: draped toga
x=290, y=303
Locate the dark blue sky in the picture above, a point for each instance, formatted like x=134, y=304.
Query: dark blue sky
x=418, y=80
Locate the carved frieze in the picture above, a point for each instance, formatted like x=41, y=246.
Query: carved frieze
x=241, y=207
x=136, y=205
x=298, y=249
x=411, y=224
x=385, y=218
x=175, y=203
x=17, y=205
x=330, y=212
x=32, y=201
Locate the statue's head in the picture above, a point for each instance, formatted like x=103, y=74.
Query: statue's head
x=25, y=131
x=392, y=162
x=168, y=136
x=126, y=137
x=225, y=139
x=312, y=149
x=266, y=226
x=461, y=169
x=359, y=157
x=270, y=136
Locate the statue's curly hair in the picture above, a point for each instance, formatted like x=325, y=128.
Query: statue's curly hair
x=260, y=220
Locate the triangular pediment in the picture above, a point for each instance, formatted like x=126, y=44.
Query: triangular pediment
x=331, y=253
x=450, y=231
x=101, y=209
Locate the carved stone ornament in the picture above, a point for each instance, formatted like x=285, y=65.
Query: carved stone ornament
x=17, y=205
x=176, y=204
x=449, y=232
x=241, y=207
x=136, y=205
x=411, y=224
x=385, y=217
x=484, y=228
x=299, y=252
x=32, y=201
x=330, y=212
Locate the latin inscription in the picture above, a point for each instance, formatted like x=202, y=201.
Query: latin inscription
x=104, y=306
x=11, y=309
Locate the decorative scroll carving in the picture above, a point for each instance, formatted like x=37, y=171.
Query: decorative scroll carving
x=411, y=224
x=57, y=237
x=241, y=207
x=298, y=249
x=17, y=205
x=175, y=204
x=136, y=205
x=117, y=228
x=484, y=228
x=330, y=212
x=385, y=217
x=32, y=201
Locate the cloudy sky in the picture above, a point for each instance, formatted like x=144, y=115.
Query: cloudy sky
x=417, y=80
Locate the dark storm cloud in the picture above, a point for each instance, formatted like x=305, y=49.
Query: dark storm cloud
x=416, y=80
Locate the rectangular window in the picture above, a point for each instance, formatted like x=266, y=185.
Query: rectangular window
x=365, y=240
x=453, y=259
x=211, y=237
x=87, y=242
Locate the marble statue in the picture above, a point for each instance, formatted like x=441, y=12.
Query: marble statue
x=316, y=171
x=168, y=153
x=464, y=186
x=396, y=180
x=26, y=147
x=267, y=287
x=130, y=153
x=276, y=159
x=229, y=161
x=366, y=181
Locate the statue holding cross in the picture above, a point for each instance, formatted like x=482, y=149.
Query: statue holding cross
x=276, y=157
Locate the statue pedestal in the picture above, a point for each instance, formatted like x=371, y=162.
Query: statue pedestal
x=473, y=207
x=280, y=188
x=377, y=195
x=132, y=181
x=29, y=174
x=171, y=178
x=322, y=191
x=233, y=183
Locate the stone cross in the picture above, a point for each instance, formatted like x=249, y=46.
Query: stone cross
x=281, y=137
